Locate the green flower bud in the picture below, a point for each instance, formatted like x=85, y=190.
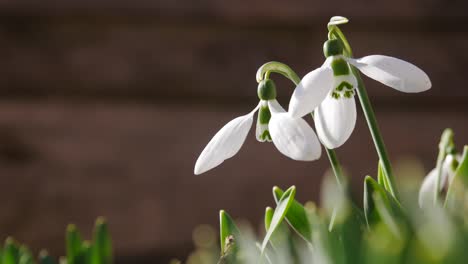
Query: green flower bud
x=332, y=47
x=266, y=90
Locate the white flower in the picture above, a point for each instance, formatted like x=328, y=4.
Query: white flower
x=293, y=137
x=426, y=192
x=330, y=90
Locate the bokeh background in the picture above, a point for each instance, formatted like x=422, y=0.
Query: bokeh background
x=105, y=106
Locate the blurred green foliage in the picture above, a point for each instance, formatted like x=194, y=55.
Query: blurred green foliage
x=79, y=251
x=382, y=230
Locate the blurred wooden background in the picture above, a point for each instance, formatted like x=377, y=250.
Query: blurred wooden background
x=105, y=106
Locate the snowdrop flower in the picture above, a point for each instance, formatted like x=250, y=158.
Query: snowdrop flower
x=330, y=89
x=426, y=192
x=293, y=137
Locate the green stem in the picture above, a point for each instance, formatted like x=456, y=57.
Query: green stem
x=369, y=114
x=286, y=71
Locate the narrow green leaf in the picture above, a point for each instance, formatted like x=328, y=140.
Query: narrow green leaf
x=227, y=230
x=74, y=245
x=459, y=185
x=280, y=212
x=296, y=216
x=86, y=253
x=25, y=256
x=382, y=178
x=102, y=244
x=10, y=252
x=372, y=213
x=268, y=216
x=44, y=258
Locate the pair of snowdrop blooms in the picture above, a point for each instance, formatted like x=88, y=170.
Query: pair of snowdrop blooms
x=328, y=92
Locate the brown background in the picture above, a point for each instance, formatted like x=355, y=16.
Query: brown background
x=105, y=106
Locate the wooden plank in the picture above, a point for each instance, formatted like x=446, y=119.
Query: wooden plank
x=64, y=162
x=162, y=62
x=253, y=11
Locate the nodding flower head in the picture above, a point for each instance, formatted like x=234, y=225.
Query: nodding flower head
x=293, y=137
x=330, y=89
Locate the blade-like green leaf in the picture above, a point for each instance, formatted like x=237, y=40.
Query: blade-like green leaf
x=44, y=258
x=373, y=214
x=382, y=178
x=74, y=244
x=296, y=216
x=10, y=252
x=25, y=256
x=459, y=185
x=227, y=229
x=268, y=216
x=102, y=244
x=280, y=212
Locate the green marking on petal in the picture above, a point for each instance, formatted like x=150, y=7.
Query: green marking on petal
x=265, y=136
x=335, y=95
x=264, y=115
x=339, y=67
x=343, y=89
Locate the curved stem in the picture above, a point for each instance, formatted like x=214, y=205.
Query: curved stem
x=281, y=68
x=369, y=115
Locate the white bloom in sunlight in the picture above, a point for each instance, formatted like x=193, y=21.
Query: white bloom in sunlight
x=426, y=192
x=293, y=137
x=330, y=90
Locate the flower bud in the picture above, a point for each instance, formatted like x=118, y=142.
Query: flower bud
x=266, y=90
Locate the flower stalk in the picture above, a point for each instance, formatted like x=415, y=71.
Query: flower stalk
x=336, y=33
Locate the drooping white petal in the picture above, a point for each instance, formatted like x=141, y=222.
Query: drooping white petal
x=335, y=118
x=311, y=91
x=225, y=144
x=294, y=138
x=398, y=74
x=275, y=107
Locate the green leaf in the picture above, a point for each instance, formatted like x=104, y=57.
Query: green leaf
x=296, y=216
x=268, y=216
x=280, y=212
x=459, y=185
x=25, y=256
x=381, y=177
x=10, y=252
x=86, y=253
x=44, y=258
x=372, y=213
x=102, y=244
x=74, y=246
x=227, y=229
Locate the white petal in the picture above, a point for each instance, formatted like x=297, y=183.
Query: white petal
x=275, y=107
x=311, y=91
x=426, y=192
x=335, y=120
x=398, y=74
x=225, y=144
x=294, y=138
